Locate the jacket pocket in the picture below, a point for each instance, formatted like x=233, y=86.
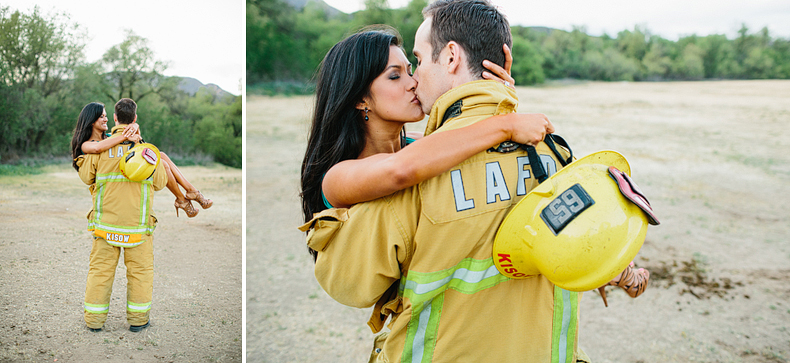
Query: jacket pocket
x=91, y=216
x=390, y=304
x=151, y=224
x=323, y=227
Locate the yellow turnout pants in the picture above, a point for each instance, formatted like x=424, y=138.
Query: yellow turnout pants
x=139, y=263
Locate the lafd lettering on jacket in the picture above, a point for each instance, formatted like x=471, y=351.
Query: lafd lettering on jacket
x=496, y=185
x=119, y=151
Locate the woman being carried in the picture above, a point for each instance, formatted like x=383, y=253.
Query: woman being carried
x=364, y=97
x=91, y=137
x=365, y=94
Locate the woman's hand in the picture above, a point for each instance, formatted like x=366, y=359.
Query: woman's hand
x=135, y=138
x=132, y=129
x=501, y=74
x=529, y=128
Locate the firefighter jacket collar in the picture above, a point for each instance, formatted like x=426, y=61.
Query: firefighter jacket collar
x=119, y=127
x=481, y=95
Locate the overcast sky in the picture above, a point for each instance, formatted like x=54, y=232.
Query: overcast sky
x=667, y=18
x=202, y=39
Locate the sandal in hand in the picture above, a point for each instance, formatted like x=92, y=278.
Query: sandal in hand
x=633, y=281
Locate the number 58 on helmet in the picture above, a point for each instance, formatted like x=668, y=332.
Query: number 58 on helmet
x=140, y=162
x=579, y=228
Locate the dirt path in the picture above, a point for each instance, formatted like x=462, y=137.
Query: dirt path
x=289, y=317
x=712, y=157
x=44, y=248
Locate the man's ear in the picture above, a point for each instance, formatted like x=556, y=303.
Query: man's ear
x=455, y=57
x=135, y=118
x=115, y=118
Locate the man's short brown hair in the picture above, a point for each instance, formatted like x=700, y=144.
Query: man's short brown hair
x=125, y=110
x=476, y=25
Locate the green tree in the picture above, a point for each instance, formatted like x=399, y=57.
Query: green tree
x=133, y=72
x=12, y=131
x=633, y=44
x=375, y=12
x=742, y=46
x=407, y=21
x=38, y=51
x=269, y=47
x=527, y=66
x=719, y=58
x=609, y=65
x=219, y=128
x=689, y=65
x=759, y=63
x=38, y=55
x=563, y=55
x=781, y=54
x=315, y=33
x=656, y=63
x=285, y=44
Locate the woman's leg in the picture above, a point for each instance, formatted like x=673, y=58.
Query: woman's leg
x=192, y=193
x=179, y=178
x=181, y=200
x=172, y=184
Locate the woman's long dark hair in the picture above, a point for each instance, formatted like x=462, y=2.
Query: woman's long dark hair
x=84, y=129
x=338, y=130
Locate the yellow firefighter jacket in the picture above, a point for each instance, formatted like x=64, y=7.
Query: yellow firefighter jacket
x=424, y=256
x=122, y=210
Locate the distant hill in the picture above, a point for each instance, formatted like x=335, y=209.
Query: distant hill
x=299, y=4
x=540, y=29
x=191, y=86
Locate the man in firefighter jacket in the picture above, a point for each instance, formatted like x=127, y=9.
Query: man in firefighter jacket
x=423, y=256
x=121, y=218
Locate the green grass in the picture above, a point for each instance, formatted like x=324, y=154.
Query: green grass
x=191, y=159
x=32, y=165
x=17, y=170
x=288, y=88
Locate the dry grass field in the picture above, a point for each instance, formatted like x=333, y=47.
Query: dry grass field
x=711, y=156
x=44, y=248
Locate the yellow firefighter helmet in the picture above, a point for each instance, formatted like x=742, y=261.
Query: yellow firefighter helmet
x=579, y=228
x=140, y=162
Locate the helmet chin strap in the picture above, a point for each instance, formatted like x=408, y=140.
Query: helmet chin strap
x=534, y=160
x=577, y=230
x=627, y=187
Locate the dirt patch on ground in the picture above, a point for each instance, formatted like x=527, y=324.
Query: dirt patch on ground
x=44, y=248
x=711, y=157
x=693, y=275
